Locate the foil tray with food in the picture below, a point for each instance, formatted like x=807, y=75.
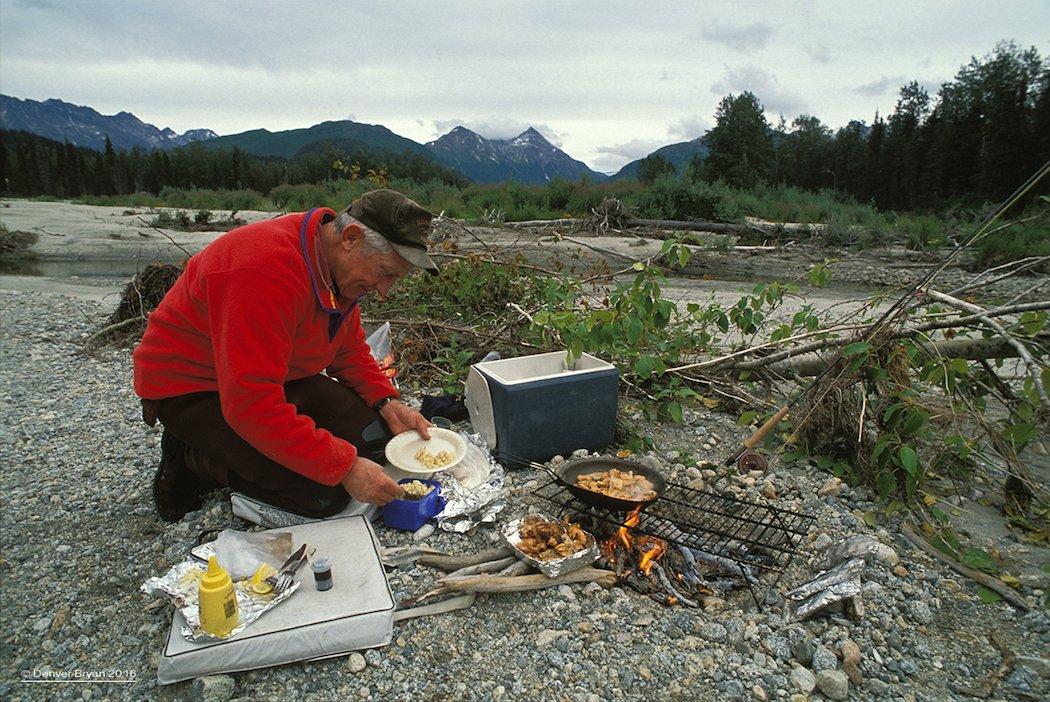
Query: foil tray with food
x=553, y=546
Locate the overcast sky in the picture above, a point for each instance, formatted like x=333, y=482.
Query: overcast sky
x=608, y=82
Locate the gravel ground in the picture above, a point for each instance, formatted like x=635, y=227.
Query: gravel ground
x=79, y=536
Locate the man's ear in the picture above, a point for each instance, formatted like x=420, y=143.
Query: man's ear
x=351, y=235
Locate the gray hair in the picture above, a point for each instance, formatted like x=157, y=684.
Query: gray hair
x=375, y=242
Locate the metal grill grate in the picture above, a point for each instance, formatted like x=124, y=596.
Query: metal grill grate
x=748, y=533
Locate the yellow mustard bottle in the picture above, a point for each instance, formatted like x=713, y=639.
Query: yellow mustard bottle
x=217, y=600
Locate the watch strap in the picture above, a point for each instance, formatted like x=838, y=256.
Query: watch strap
x=383, y=403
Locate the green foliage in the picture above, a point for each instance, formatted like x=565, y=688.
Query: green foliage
x=741, y=148
x=653, y=167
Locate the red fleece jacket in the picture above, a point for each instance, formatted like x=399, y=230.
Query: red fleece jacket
x=250, y=313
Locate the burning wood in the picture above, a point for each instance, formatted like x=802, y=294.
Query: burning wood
x=667, y=575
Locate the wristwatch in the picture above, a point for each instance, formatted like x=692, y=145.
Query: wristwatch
x=383, y=403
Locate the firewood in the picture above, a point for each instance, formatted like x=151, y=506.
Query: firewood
x=486, y=567
x=450, y=563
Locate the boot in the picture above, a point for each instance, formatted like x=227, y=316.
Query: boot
x=175, y=490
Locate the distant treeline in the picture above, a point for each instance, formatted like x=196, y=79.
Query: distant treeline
x=32, y=165
x=982, y=135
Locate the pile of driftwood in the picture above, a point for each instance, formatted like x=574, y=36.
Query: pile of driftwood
x=495, y=570
x=140, y=296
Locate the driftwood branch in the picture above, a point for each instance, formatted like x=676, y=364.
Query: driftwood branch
x=969, y=349
x=495, y=566
x=450, y=563
x=112, y=328
x=980, y=313
x=519, y=583
x=953, y=322
x=563, y=222
x=526, y=583
x=713, y=227
x=977, y=576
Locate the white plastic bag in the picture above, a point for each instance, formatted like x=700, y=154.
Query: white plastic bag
x=382, y=346
x=241, y=552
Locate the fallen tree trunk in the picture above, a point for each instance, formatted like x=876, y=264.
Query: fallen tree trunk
x=564, y=222
x=953, y=322
x=715, y=227
x=812, y=364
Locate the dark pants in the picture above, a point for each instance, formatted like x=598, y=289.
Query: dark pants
x=218, y=455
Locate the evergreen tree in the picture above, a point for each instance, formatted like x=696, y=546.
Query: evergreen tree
x=741, y=149
x=652, y=167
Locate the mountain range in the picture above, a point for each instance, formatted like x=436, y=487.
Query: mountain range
x=83, y=126
x=527, y=158
x=678, y=155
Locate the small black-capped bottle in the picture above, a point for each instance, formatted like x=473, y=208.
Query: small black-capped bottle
x=322, y=574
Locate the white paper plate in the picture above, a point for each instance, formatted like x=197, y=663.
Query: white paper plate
x=402, y=449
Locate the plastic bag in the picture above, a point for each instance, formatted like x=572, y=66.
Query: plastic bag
x=475, y=467
x=241, y=553
x=382, y=346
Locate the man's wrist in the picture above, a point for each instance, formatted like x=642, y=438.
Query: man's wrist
x=384, y=402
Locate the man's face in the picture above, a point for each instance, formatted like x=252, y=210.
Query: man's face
x=361, y=271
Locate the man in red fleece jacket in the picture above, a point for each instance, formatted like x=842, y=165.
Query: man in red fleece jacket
x=256, y=363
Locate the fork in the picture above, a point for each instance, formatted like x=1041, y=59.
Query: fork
x=283, y=580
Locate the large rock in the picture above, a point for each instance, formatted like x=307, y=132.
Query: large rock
x=803, y=680
x=216, y=688
x=834, y=684
x=356, y=662
x=824, y=659
x=851, y=661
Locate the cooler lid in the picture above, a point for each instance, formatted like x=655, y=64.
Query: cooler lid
x=479, y=405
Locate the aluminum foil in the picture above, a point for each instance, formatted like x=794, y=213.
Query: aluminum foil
x=830, y=586
x=466, y=508
x=556, y=566
x=861, y=546
x=181, y=583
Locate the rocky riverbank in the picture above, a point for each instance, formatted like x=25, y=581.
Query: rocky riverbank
x=79, y=535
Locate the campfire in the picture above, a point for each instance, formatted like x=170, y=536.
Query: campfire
x=689, y=544
x=649, y=565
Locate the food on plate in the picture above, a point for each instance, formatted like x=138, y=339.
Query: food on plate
x=621, y=484
x=545, y=540
x=434, y=460
x=416, y=490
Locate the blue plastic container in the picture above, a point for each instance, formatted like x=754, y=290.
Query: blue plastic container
x=409, y=515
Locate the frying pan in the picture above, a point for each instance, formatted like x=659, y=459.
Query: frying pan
x=566, y=475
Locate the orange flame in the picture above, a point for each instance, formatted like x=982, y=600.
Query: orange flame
x=650, y=548
x=656, y=548
x=624, y=535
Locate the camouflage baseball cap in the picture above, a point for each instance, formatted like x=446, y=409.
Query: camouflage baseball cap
x=401, y=221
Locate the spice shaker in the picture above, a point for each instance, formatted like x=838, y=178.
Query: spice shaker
x=322, y=574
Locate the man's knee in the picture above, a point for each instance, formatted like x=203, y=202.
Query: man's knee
x=324, y=503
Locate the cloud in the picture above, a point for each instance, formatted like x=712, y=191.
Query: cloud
x=820, y=54
x=635, y=148
x=612, y=157
x=498, y=127
x=773, y=96
x=688, y=128
x=748, y=37
x=880, y=86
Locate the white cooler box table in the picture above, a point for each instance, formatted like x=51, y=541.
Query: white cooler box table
x=357, y=613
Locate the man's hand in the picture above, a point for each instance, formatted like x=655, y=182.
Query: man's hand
x=367, y=482
x=401, y=418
